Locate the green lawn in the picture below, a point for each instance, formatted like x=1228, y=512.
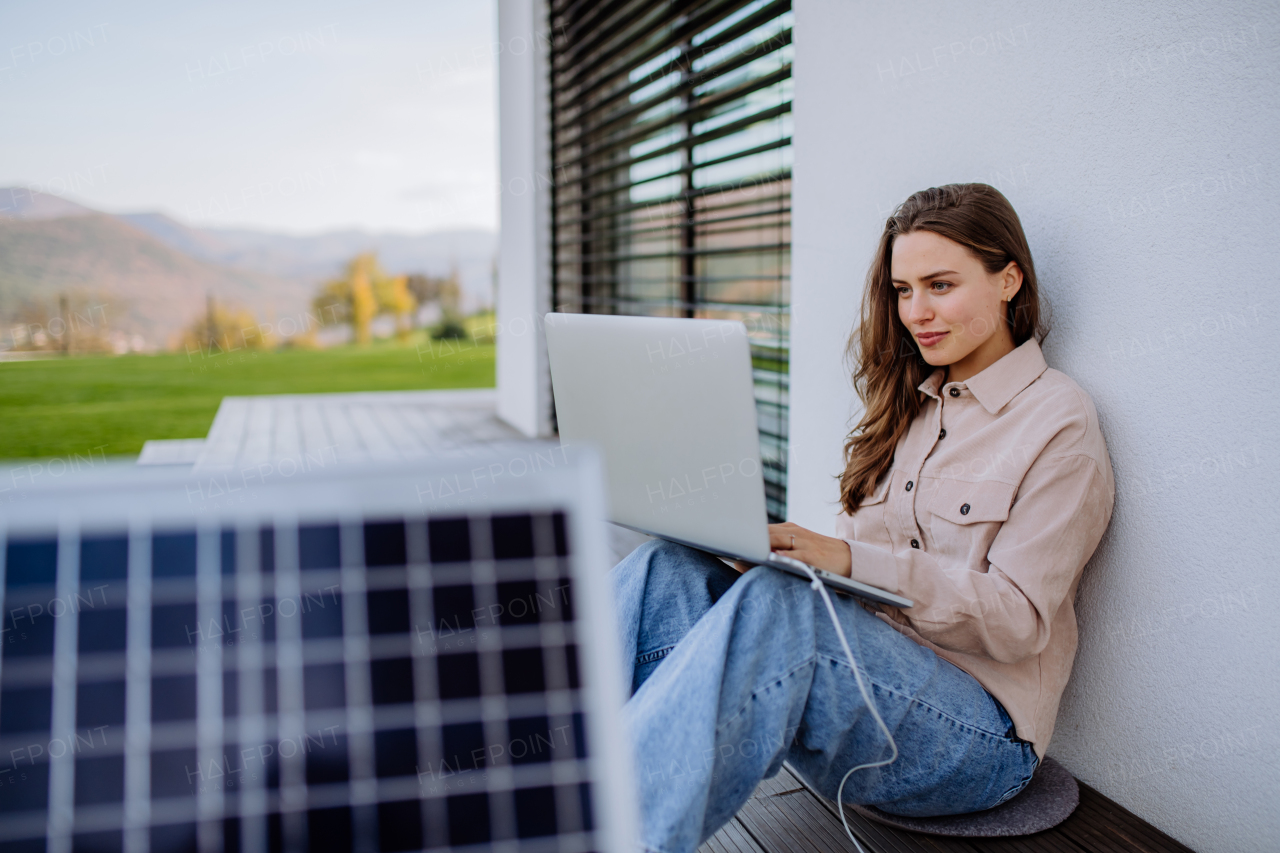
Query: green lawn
x=110, y=405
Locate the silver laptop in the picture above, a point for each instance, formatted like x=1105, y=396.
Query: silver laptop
x=670, y=403
x=402, y=656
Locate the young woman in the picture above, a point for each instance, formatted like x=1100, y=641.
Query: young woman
x=977, y=484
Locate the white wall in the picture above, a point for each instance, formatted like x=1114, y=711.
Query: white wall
x=524, y=282
x=1138, y=143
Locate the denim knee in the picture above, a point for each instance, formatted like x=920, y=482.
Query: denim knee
x=670, y=566
x=762, y=591
x=662, y=554
x=663, y=549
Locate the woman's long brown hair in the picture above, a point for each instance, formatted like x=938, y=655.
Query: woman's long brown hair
x=888, y=367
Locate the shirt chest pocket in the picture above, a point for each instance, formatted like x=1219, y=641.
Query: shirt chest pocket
x=964, y=515
x=868, y=521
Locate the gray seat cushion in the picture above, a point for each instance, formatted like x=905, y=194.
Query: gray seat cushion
x=1049, y=799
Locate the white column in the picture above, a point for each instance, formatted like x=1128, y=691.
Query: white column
x=524, y=273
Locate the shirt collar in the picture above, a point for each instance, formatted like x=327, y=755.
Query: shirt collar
x=1002, y=381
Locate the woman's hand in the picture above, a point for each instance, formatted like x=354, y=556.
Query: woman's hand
x=821, y=552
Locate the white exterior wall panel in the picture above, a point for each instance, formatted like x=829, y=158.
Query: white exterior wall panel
x=1137, y=143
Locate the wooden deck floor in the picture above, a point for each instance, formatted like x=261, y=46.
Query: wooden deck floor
x=306, y=429
x=785, y=816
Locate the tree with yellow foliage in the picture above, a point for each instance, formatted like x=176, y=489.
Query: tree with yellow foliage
x=223, y=329
x=363, y=304
x=363, y=292
x=396, y=298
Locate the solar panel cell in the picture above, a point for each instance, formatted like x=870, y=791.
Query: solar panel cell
x=102, y=630
x=111, y=841
x=324, y=686
x=30, y=562
x=99, y=704
x=104, y=558
x=327, y=760
x=384, y=543
x=318, y=547
x=174, y=626
x=400, y=825
x=535, y=811
x=392, y=681
x=388, y=611
x=459, y=676
x=522, y=671
x=173, y=555
x=449, y=540
x=176, y=773
x=396, y=753
x=173, y=838
x=173, y=698
x=329, y=829
x=512, y=537
x=99, y=779
x=468, y=819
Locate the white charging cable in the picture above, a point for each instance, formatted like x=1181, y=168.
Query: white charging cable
x=866, y=697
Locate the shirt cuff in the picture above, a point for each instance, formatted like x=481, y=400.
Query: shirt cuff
x=874, y=566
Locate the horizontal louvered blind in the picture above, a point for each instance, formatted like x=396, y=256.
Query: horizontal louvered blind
x=671, y=158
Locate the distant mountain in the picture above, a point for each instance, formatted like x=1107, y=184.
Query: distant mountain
x=151, y=289
x=22, y=203
x=320, y=256
x=157, y=270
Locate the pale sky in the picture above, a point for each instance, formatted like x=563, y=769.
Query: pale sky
x=273, y=114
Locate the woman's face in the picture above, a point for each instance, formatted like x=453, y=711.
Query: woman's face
x=950, y=304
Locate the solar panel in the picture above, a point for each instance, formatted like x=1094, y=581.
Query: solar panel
x=405, y=658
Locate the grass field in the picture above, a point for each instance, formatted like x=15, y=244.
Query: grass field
x=109, y=406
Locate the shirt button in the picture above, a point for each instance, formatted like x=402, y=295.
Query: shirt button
x=964, y=510
x=915, y=543
x=954, y=392
x=910, y=485
x=942, y=435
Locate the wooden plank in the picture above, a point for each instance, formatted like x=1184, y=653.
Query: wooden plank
x=316, y=441
x=392, y=423
x=286, y=442
x=226, y=434
x=1049, y=841
x=1103, y=825
x=374, y=440
x=787, y=820
x=352, y=427
x=879, y=838
x=416, y=419
x=257, y=434
x=171, y=451
x=732, y=838
x=346, y=440
x=442, y=422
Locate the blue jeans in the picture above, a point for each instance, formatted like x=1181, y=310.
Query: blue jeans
x=733, y=674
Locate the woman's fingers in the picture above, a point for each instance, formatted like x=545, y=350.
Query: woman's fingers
x=823, y=552
x=786, y=537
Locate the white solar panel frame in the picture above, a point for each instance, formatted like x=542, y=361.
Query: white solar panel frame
x=145, y=500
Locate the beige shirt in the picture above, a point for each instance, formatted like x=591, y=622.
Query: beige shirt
x=998, y=495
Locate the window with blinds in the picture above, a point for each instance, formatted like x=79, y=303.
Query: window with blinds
x=671, y=163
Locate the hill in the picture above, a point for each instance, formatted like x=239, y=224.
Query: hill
x=22, y=203
x=316, y=257
x=154, y=271
x=151, y=288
